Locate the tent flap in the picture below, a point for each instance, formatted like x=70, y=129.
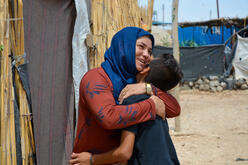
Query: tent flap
x=240, y=61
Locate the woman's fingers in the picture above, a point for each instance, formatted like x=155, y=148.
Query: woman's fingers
x=123, y=95
x=132, y=89
x=128, y=91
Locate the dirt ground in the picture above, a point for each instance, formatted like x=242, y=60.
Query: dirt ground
x=214, y=128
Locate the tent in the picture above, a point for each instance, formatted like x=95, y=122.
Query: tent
x=207, y=49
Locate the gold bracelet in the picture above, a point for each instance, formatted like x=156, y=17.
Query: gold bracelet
x=148, y=89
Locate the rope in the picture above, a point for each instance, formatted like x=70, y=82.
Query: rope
x=18, y=58
x=12, y=19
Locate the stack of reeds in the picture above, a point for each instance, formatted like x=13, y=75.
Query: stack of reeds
x=16, y=131
x=7, y=137
x=108, y=17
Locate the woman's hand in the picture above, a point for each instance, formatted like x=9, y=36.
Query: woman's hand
x=82, y=158
x=135, y=89
x=132, y=89
x=160, y=106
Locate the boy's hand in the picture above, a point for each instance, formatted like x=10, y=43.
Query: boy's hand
x=82, y=158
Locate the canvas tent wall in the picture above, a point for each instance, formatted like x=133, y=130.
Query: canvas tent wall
x=55, y=33
x=240, y=61
x=230, y=52
x=48, y=44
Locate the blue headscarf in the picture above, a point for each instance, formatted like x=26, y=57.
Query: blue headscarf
x=119, y=63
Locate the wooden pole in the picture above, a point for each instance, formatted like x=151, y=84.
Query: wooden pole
x=217, y=4
x=163, y=15
x=176, y=53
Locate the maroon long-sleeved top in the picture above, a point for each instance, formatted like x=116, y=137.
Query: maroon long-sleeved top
x=100, y=118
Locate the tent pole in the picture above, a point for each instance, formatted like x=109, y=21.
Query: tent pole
x=176, y=53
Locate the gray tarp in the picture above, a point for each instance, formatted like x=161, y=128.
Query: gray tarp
x=48, y=27
x=198, y=61
x=240, y=61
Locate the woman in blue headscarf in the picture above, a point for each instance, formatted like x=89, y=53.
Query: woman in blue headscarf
x=103, y=89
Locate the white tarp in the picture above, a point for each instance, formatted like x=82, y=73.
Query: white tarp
x=240, y=61
x=79, y=49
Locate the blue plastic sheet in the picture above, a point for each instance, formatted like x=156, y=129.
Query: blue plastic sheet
x=203, y=35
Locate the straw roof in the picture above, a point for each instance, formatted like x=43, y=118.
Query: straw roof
x=238, y=22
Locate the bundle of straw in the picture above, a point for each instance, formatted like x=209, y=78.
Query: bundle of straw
x=17, y=140
x=7, y=127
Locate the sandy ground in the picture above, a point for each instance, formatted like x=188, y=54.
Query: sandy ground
x=214, y=128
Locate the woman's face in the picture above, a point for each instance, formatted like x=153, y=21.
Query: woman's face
x=143, y=52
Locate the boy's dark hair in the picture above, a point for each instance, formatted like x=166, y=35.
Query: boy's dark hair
x=165, y=73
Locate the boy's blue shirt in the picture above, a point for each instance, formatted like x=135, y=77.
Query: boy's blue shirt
x=153, y=144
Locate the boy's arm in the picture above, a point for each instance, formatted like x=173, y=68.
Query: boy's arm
x=119, y=154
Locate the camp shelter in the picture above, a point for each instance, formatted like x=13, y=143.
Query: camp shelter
x=210, y=32
x=206, y=48
x=56, y=58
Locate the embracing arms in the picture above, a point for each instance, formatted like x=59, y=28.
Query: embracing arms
x=96, y=94
x=122, y=153
x=172, y=107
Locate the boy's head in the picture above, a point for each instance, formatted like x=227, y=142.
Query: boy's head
x=165, y=73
